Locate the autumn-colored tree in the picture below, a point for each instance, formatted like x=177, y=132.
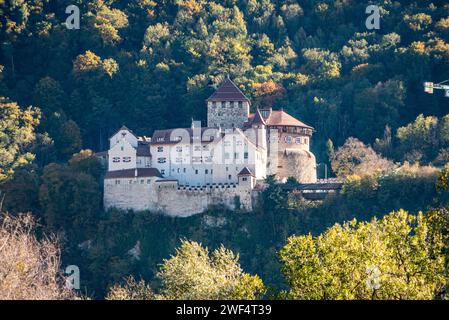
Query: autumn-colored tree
x=29, y=268
x=17, y=132
x=354, y=157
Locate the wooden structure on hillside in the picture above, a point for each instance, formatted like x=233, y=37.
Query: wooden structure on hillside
x=314, y=191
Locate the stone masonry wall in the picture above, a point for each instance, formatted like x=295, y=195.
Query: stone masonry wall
x=299, y=164
x=227, y=115
x=171, y=200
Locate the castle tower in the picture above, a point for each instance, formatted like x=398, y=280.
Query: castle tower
x=227, y=107
x=291, y=139
x=259, y=126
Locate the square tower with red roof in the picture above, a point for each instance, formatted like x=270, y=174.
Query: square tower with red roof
x=227, y=107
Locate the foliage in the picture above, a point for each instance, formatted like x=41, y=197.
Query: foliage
x=17, y=131
x=354, y=157
x=131, y=290
x=391, y=258
x=194, y=274
x=70, y=200
x=29, y=268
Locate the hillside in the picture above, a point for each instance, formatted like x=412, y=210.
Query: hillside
x=151, y=65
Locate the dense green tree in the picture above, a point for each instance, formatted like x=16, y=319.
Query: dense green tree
x=419, y=137
x=85, y=161
x=391, y=258
x=68, y=141
x=193, y=273
x=21, y=192
x=17, y=132
x=70, y=200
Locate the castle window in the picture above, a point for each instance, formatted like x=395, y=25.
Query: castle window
x=148, y=181
x=245, y=155
x=179, y=149
x=298, y=140
x=227, y=168
x=196, y=171
x=197, y=148
x=206, y=171
x=122, y=148
x=160, y=149
x=229, y=177
x=142, y=181
x=211, y=171
x=117, y=181
x=214, y=104
x=244, y=179
x=240, y=104
x=130, y=182
x=236, y=155
x=306, y=140
x=126, y=159
x=288, y=139
x=160, y=139
x=116, y=159
x=161, y=160
x=223, y=103
x=184, y=170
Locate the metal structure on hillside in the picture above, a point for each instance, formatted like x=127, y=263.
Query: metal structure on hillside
x=429, y=87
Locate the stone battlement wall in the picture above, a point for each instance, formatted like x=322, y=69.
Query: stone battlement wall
x=174, y=200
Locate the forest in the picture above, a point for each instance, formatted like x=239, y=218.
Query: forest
x=150, y=64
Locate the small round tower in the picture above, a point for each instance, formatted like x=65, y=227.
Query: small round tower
x=289, y=139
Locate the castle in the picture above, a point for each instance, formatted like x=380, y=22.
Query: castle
x=183, y=171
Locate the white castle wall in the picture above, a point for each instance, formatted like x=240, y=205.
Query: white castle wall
x=169, y=198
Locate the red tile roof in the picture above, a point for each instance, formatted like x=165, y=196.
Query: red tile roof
x=245, y=172
x=258, y=119
x=228, y=91
x=281, y=118
x=131, y=173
